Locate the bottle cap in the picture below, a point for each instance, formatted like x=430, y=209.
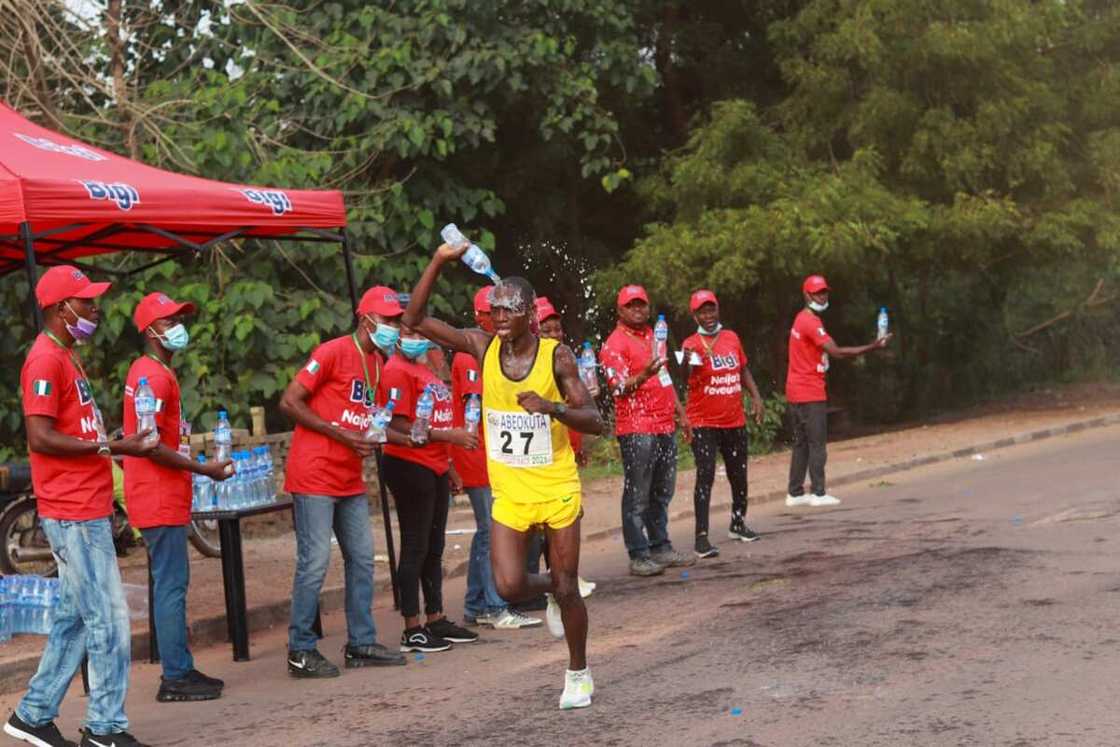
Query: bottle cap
x=143, y=381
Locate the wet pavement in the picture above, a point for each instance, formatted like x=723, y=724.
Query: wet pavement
x=974, y=602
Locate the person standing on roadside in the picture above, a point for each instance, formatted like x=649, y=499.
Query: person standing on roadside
x=158, y=493
x=717, y=370
x=73, y=481
x=482, y=604
x=331, y=400
x=810, y=350
x=645, y=403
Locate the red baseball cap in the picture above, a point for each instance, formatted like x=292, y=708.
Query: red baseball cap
x=630, y=293
x=66, y=281
x=380, y=299
x=701, y=297
x=814, y=284
x=158, y=306
x=482, y=300
x=545, y=309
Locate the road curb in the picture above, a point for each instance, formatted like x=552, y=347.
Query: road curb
x=212, y=630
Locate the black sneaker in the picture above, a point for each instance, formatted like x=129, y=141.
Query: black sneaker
x=310, y=665
x=186, y=689
x=449, y=631
x=197, y=676
x=116, y=739
x=704, y=548
x=374, y=655
x=46, y=735
x=422, y=639
x=740, y=531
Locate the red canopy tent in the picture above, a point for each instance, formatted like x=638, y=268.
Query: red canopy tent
x=62, y=200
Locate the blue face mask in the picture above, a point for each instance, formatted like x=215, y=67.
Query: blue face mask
x=175, y=338
x=413, y=349
x=385, y=337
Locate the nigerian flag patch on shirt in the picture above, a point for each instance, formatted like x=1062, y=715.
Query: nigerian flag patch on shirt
x=313, y=366
x=41, y=387
x=472, y=375
x=394, y=393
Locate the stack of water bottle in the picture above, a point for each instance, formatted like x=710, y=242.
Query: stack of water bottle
x=253, y=482
x=26, y=605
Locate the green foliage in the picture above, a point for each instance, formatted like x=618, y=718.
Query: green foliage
x=764, y=436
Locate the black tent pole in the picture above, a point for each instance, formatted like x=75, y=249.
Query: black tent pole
x=32, y=279
x=390, y=550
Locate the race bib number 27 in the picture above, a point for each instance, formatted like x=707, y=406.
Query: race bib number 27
x=518, y=439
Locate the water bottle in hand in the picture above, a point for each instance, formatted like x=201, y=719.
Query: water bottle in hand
x=587, y=369
x=223, y=440
x=422, y=422
x=884, y=324
x=377, y=432
x=474, y=257
x=472, y=414
x=145, y=401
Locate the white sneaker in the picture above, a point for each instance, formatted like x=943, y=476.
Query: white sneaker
x=799, y=500
x=824, y=500
x=552, y=617
x=509, y=620
x=578, y=689
x=585, y=587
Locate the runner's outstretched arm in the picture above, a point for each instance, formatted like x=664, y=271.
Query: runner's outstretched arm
x=581, y=414
x=473, y=341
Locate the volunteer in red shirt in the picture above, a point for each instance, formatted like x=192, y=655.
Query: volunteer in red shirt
x=552, y=328
x=482, y=604
x=645, y=403
x=417, y=473
x=331, y=400
x=158, y=492
x=73, y=481
x=717, y=370
x=810, y=349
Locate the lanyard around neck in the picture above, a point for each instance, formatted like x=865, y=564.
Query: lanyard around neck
x=371, y=393
x=69, y=351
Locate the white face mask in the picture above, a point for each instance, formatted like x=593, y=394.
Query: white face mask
x=818, y=307
x=713, y=333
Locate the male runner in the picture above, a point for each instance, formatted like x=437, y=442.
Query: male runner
x=531, y=395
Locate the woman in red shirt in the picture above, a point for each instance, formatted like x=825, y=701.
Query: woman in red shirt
x=717, y=370
x=418, y=477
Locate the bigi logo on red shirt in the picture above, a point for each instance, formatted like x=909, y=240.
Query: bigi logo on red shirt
x=274, y=198
x=124, y=195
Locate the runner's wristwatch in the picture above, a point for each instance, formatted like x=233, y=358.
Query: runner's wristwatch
x=103, y=448
x=559, y=408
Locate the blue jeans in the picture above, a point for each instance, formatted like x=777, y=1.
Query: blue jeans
x=315, y=516
x=91, y=618
x=649, y=465
x=482, y=593
x=171, y=573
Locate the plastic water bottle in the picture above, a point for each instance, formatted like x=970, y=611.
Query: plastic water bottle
x=260, y=476
x=588, y=369
x=241, y=479
x=269, y=474
x=661, y=338
x=145, y=401
x=202, y=490
x=883, y=323
x=422, y=423
x=223, y=439
x=473, y=412
x=474, y=258
x=377, y=432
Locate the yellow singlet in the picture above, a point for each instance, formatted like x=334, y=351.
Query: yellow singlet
x=528, y=455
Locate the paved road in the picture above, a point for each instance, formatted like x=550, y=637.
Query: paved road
x=969, y=603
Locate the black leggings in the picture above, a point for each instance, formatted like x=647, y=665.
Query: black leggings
x=422, y=499
x=731, y=443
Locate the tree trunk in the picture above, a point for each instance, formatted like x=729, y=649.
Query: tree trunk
x=113, y=27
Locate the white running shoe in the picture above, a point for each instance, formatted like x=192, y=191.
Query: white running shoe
x=552, y=617
x=799, y=500
x=578, y=689
x=509, y=620
x=824, y=500
x=585, y=587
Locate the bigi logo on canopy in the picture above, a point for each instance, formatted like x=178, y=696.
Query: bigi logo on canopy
x=274, y=198
x=43, y=143
x=124, y=195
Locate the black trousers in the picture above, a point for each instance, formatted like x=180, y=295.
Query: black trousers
x=810, y=432
x=422, y=499
x=731, y=444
